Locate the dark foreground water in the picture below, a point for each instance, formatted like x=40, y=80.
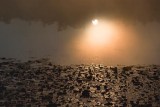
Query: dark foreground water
x=41, y=83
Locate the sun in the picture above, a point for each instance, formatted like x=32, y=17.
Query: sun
x=95, y=21
x=100, y=34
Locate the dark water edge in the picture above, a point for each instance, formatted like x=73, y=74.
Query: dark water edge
x=43, y=83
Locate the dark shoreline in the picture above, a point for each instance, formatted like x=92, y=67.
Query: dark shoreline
x=40, y=82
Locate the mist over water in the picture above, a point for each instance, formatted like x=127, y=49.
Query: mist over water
x=23, y=40
x=79, y=53
x=57, y=30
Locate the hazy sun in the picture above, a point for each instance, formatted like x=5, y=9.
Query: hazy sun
x=100, y=33
x=95, y=22
x=102, y=37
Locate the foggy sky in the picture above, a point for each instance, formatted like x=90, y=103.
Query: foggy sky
x=28, y=28
x=76, y=12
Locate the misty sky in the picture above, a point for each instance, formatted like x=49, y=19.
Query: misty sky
x=52, y=28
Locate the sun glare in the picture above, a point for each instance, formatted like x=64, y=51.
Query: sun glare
x=102, y=37
x=100, y=34
x=95, y=22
